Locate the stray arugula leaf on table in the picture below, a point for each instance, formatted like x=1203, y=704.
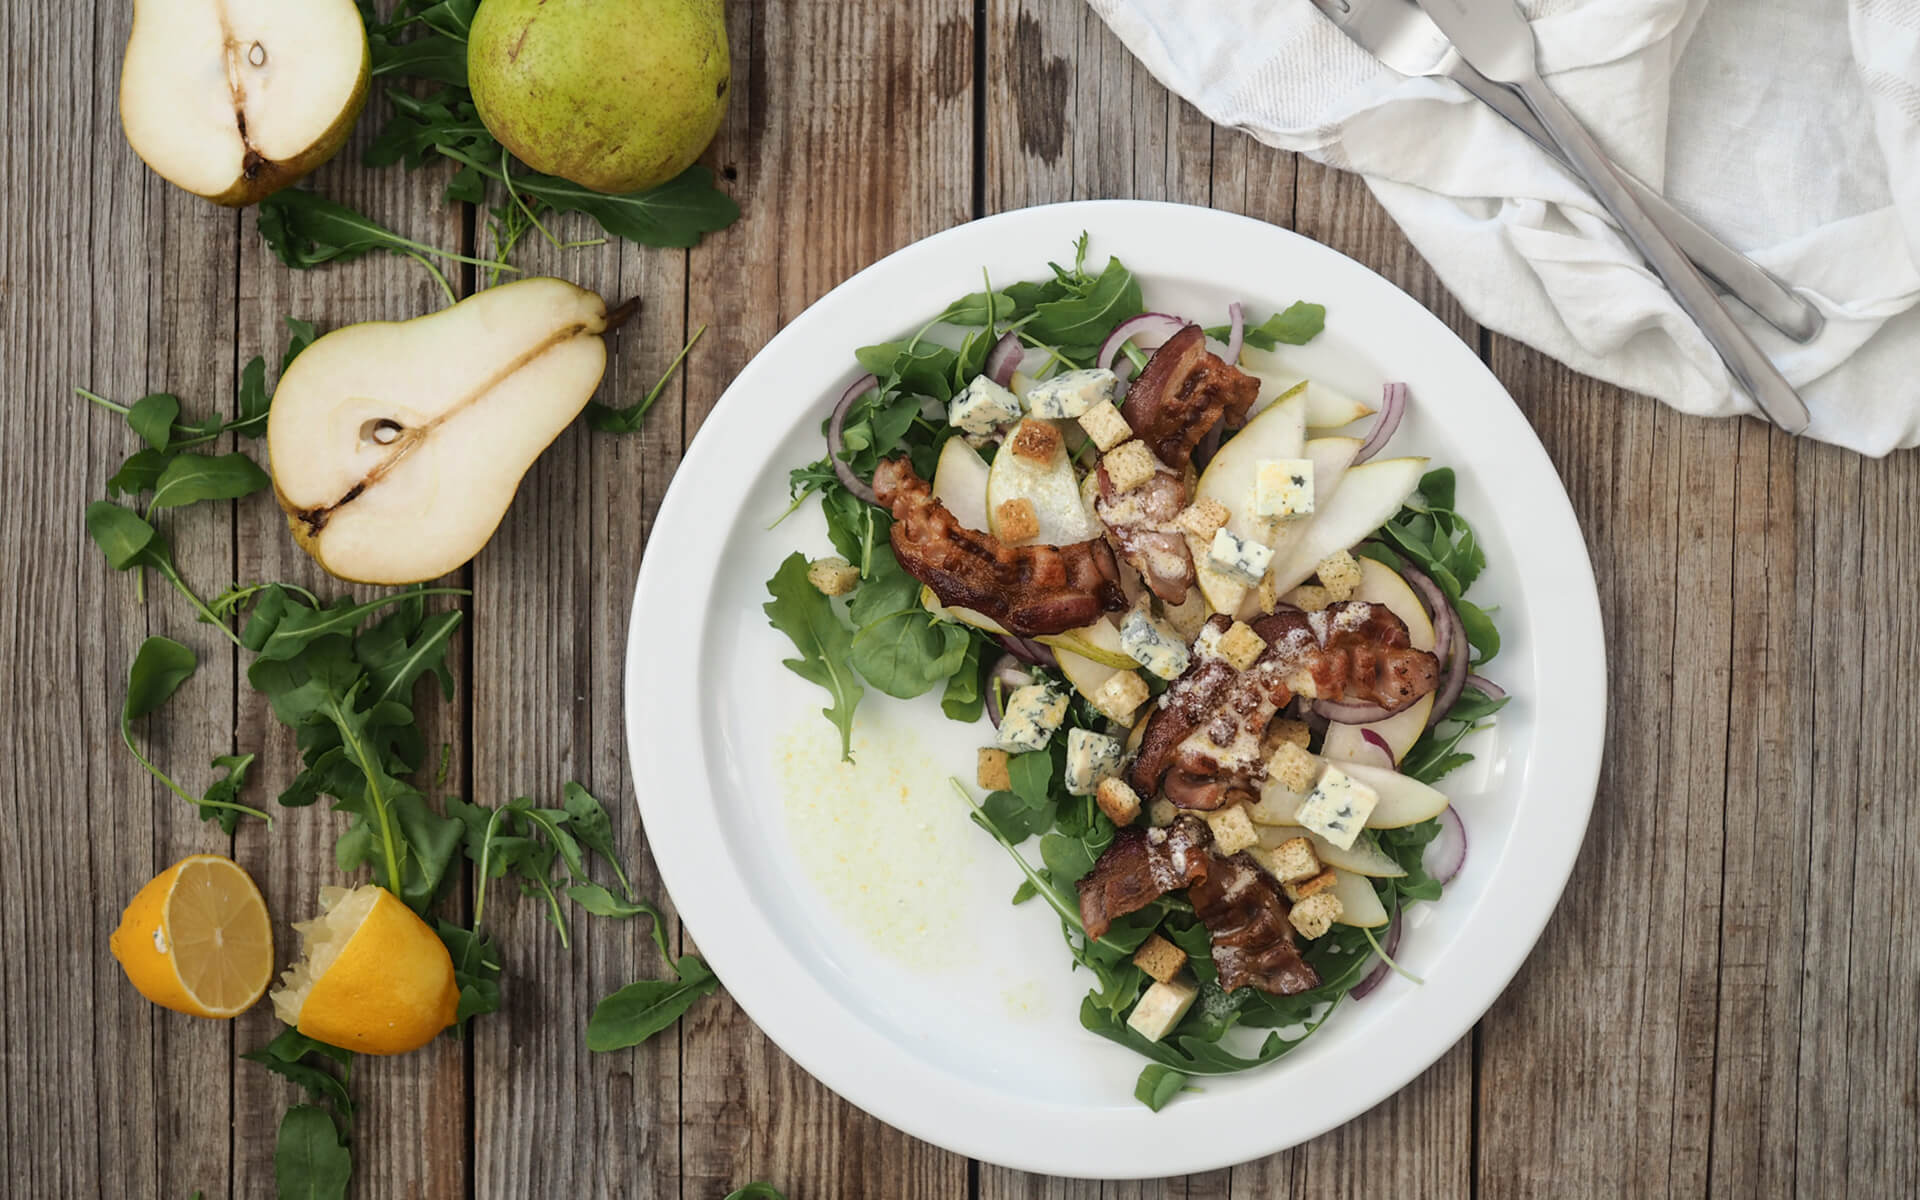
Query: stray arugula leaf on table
x=603, y=419
x=310, y=1158
x=159, y=668
x=305, y=229
x=757, y=1191
x=639, y=1010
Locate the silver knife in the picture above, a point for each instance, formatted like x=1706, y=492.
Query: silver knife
x=1494, y=37
x=1403, y=37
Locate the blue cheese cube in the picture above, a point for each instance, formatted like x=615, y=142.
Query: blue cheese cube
x=1091, y=757
x=1070, y=393
x=1153, y=644
x=1240, y=559
x=1283, y=488
x=1337, y=808
x=1160, y=1009
x=1032, y=715
x=983, y=407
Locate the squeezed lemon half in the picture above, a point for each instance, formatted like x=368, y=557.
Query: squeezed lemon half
x=372, y=977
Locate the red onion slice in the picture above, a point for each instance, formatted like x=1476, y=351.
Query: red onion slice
x=1379, y=743
x=1028, y=651
x=1488, y=687
x=1148, y=331
x=1379, y=973
x=1447, y=852
x=836, y=447
x=1009, y=674
x=1238, y=334
x=1004, y=359
x=1456, y=670
x=1393, y=406
x=1351, y=714
x=1435, y=601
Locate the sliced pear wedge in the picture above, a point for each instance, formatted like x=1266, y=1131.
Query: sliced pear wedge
x=1403, y=801
x=1359, y=904
x=1362, y=858
x=1332, y=457
x=397, y=447
x=1326, y=407
x=1367, y=497
x=960, y=483
x=235, y=99
x=1279, y=431
x=1381, y=584
x=1050, y=487
x=1400, y=731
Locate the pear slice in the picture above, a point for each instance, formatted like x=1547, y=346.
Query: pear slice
x=960, y=483
x=396, y=447
x=1359, y=903
x=1051, y=487
x=1279, y=431
x=1326, y=408
x=235, y=99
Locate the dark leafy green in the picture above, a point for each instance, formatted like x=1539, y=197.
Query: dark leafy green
x=160, y=667
x=640, y=1010
x=1296, y=325
x=627, y=420
x=825, y=643
x=310, y=1159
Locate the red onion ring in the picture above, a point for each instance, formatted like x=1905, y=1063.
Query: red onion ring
x=1393, y=406
x=1378, y=743
x=1447, y=852
x=836, y=447
x=1492, y=690
x=1379, y=972
x=1237, y=336
x=1456, y=671
x=1435, y=601
x=1209, y=445
x=1351, y=714
x=1028, y=651
x=1007, y=671
x=1148, y=331
x=1004, y=359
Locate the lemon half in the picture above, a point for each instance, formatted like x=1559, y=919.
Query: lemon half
x=196, y=938
x=372, y=978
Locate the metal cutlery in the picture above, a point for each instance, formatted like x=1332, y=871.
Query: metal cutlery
x=1401, y=35
x=1493, y=36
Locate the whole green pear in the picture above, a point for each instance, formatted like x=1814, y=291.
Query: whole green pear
x=616, y=95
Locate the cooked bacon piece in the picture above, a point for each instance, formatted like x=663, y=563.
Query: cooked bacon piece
x=1029, y=589
x=1245, y=914
x=1138, y=867
x=1367, y=658
x=1142, y=526
x=1182, y=393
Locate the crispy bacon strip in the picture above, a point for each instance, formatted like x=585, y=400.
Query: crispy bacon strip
x=1141, y=525
x=1369, y=659
x=1029, y=589
x=1184, y=391
x=1138, y=867
x=1246, y=916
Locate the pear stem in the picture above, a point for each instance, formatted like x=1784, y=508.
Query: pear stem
x=622, y=312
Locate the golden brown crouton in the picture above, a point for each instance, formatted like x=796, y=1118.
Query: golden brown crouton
x=1105, y=425
x=1120, y=802
x=1203, y=518
x=1287, y=730
x=1309, y=597
x=1119, y=696
x=1340, y=574
x=991, y=771
x=1315, y=915
x=1016, y=521
x=833, y=576
x=1294, y=861
x=1232, y=830
x=1035, y=440
x=1303, y=888
x=1129, y=465
x=1293, y=768
x=1160, y=958
x=1240, y=646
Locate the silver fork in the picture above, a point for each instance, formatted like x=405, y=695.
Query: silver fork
x=1401, y=35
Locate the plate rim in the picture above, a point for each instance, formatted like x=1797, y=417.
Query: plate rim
x=726, y=947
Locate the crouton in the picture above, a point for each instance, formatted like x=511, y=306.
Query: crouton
x=1232, y=830
x=833, y=576
x=1105, y=425
x=1036, y=441
x=1120, y=802
x=1119, y=696
x=1129, y=465
x=1240, y=646
x=1309, y=597
x=1293, y=768
x=990, y=771
x=1016, y=521
x=1203, y=518
x=1269, y=594
x=1160, y=958
x=1340, y=574
x=1287, y=730
x=1162, y=813
x=1315, y=915
x=1301, y=889
x=1294, y=861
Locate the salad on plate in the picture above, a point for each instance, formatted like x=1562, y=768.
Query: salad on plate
x=1225, y=647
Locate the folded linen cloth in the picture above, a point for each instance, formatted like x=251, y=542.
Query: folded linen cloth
x=1791, y=131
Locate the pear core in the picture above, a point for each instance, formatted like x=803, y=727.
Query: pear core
x=615, y=95
x=396, y=447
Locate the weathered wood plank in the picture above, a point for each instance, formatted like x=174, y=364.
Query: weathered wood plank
x=849, y=136
x=411, y=1137
x=553, y=591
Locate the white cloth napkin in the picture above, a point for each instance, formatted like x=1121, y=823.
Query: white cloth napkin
x=1788, y=127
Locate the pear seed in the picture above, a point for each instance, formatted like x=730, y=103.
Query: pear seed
x=257, y=55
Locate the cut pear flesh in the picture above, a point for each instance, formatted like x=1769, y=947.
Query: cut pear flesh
x=1326, y=407
x=1362, y=858
x=1381, y=584
x=1399, y=731
x=960, y=483
x=1403, y=800
x=1359, y=904
x=397, y=447
x=1050, y=487
x=1090, y=656
x=1277, y=432
x=1366, y=499
x=234, y=99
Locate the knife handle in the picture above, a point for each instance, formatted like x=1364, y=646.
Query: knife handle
x=1745, y=361
x=1752, y=284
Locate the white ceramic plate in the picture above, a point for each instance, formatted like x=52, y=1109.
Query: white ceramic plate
x=928, y=1000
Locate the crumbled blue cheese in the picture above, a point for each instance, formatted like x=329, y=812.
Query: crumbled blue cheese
x=983, y=407
x=1032, y=714
x=1091, y=757
x=1283, y=488
x=1337, y=808
x=1070, y=393
x=1153, y=644
x=1240, y=559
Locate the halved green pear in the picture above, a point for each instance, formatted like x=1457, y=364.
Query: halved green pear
x=1367, y=497
x=236, y=99
x=396, y=447
x=1359, y=904
x=1051, y=487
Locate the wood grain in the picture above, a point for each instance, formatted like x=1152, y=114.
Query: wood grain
x=1726, y=1004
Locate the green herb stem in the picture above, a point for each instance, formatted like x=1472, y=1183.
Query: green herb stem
x=126, y=736
x=166, y=568
x=1045, y=889
x=363, y=758
x=102, y=401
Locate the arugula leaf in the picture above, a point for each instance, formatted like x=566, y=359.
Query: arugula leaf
x=1296, y=325
x=1157, y=1085
x=963, y=699
x=310, y=1162
x=823, y=640
x=121, y=535
x=191, y=478
x=139, y=473
x=757, y=1191
x=476, y=971
x=300, y=626
x=899, y=647
x=626, y=420
x=640, y=1010
x=305, y=229
x=590, y=824
x=288, y=1055
x=160, y=667
x=152, y=418
x=1077, y=323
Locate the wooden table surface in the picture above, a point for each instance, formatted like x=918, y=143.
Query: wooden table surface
x=1724, y=1004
